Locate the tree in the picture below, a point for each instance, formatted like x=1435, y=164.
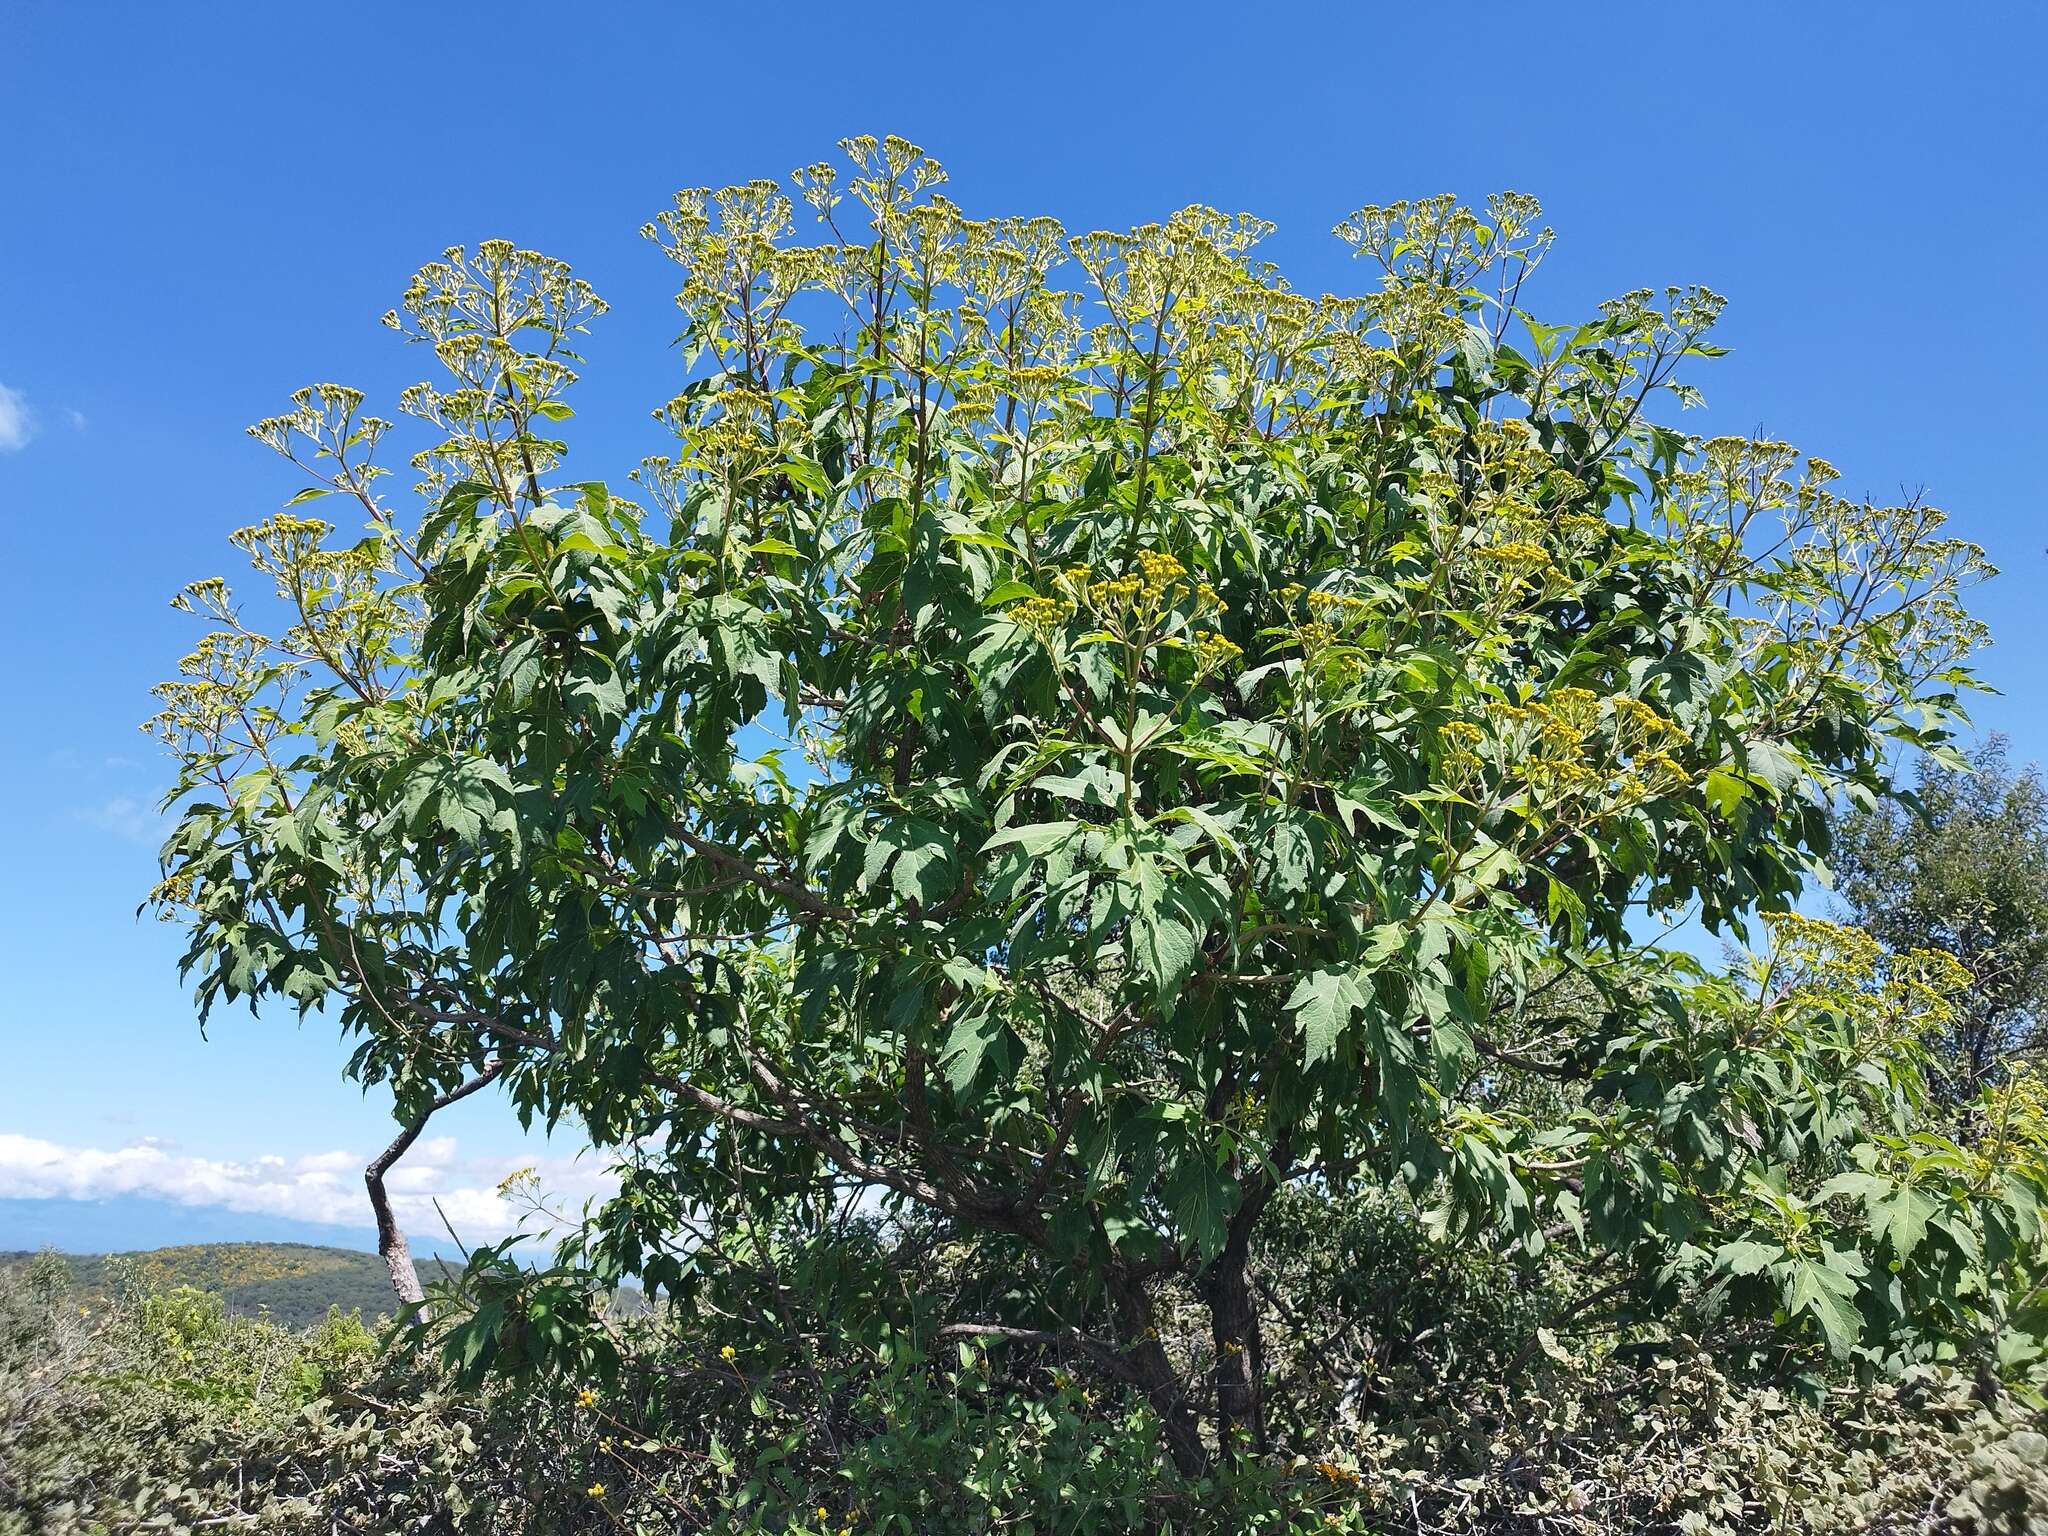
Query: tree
x=1052, y=769
x=1962, y=867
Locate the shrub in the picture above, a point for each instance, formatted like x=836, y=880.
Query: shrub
x=1226, y=740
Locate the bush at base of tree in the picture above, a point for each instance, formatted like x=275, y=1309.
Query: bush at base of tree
x=158, y=1414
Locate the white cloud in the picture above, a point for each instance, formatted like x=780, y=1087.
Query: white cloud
x=17, y=421
x=321, y=1186
x=125, y=817
x=76, y=418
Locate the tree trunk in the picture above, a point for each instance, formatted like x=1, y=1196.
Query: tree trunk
x=391, y=1243
x=1153, y=1371
x=1226, y=1286
x=1240, y=1350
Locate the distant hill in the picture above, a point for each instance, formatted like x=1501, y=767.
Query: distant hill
x=289, y=1283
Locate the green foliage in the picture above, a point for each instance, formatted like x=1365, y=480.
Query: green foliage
x=109, y=1428
x=1962, y=866
x=1062, y=774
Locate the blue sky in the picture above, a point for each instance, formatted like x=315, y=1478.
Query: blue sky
x=203, y=207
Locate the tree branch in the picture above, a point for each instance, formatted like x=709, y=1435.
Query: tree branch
x=391, y=1244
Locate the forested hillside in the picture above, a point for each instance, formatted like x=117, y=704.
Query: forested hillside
x=293, y=1284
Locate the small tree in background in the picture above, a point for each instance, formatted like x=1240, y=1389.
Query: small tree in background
x=1051, y=768
x=1962, y=867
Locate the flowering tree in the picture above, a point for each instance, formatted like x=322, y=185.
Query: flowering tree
x=1064, y=764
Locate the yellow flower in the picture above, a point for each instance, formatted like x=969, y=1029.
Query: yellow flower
x=595, y=1490
x=1518, y=555
x=1042, y=613
x=1161, y=571
x=1214, y=650
x=1111, y=594
x=585, y=1398
x=1663, y=770
x=1337, y=605
x=822, y=1512
x=726, y=1353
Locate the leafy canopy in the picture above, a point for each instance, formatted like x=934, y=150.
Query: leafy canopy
x=1961, y=866
x=1073, y=736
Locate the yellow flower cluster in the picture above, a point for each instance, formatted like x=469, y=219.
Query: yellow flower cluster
x=1148, y=589
x=1037, y=378
x=1515, y=552
x=1651, y=727
x=1463, y=734
x=1461, y=762
x=210, y=593
x=1554, y=759
x=1847, y=970
x=1570, y=709
x=2015, y=1116
x=585, y=1398
x=1214, y=651
x=1160, y=572
x=1661, y=773
x=280, y=533
x=1042, y=613
x=1115, y=591
x=169, y=894
x=1563, y=777
x=1333, y=1473
x=1559, y=734
x=1337, y=607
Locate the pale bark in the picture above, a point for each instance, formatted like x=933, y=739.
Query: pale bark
x=391, y=1243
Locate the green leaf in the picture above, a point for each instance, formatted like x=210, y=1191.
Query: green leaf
x=976, y=1035
x=1829, y=1296
x=1746, y=1256
x=1902, y=1220
x=1201, y=1199
x=1322, y=1004
x=1165, y=952
x=1036, y=840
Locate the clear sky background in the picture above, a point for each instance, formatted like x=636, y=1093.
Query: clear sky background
x=204, y=206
